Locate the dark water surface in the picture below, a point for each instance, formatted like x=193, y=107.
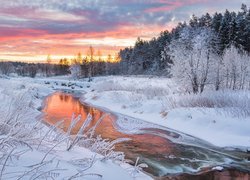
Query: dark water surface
x=165, y=151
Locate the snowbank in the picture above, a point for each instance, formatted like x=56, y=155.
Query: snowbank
x=221, y=118
x=30, y=150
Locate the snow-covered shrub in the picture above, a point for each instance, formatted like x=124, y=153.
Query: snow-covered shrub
x=16, y=137
x=137, y=167
x=18, y=109
x=235, y=69
x=235, y=103
x=110, y=85
x=192, y=55
x=198, y=65
x=28, y=149
x=137, y=89
x=169, y=102
x=151, y=92
x=85, y=137
x=75, y=71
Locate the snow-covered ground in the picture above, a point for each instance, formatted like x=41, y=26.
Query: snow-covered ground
x=221, y=118
x=31, y=150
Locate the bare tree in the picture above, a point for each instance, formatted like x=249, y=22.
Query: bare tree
x=48, y=65
x=91, y=59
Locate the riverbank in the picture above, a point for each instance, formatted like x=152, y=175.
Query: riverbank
x=220, y=118
x=156, y=100
x=29, y=149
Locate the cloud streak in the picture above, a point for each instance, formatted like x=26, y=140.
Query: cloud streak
x=55, y=26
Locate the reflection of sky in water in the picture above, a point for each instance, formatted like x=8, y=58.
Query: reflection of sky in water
x=154, y=146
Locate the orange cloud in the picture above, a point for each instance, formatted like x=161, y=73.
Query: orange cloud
x=33, y=29
x=39, y=43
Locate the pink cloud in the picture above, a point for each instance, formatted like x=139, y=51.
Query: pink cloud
x=173, y=4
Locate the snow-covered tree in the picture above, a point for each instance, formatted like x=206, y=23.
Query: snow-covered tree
x=75, y=71
x=147, y=57
x=6, y=68
x=192, y=56
x=236, y=69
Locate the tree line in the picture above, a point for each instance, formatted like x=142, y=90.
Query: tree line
x=93, y=64
x=211, y=51
x=148, y=57
x=197, y=62
x=32, y=69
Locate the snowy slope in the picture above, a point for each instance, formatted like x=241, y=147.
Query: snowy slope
x=20, y=153
x=161, y=101
x=221, y=118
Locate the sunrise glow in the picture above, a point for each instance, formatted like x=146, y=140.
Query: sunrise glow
x=30, y=30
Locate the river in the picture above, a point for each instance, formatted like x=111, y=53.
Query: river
x=167, y=152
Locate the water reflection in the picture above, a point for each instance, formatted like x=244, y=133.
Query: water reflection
x=62, y=106
x=162, y=155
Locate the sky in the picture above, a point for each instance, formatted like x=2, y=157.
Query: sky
x=32, y=29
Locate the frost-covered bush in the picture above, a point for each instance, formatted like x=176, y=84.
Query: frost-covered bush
x=75, y=71
x=235, y=69
x=137, y=167
x=198, y=65
x=138, y=88
x=110, y=85
x=151, y=92
x=28, y=149
x=17, y=137
x=86, y=137
x=235, y=103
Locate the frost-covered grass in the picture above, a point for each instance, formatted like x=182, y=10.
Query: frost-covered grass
x=149, y=86
x=236, y=103
x=31, y=150
x=222, y=118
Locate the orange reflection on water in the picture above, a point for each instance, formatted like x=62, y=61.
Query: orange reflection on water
x=61, y=106
x=149, y=145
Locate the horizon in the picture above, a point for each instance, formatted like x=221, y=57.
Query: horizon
x=32, y=30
